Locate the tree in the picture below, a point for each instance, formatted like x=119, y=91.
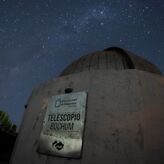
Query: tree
x=6, y=124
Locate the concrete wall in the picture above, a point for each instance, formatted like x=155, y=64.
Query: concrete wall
x=124, y=121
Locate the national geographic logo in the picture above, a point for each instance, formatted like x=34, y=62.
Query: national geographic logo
x=60, y=102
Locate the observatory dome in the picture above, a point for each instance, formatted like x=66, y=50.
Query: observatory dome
x=112, y=58
x=109, y=109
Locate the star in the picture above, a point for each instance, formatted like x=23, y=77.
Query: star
x=43, y=46
x=148, y=32
x=102, y=23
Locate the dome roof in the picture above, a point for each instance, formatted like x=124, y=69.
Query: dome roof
x=112, y=58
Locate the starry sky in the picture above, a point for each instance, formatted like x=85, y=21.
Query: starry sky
x=39, y=38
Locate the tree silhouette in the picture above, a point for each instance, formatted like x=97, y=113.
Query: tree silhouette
x=6, y=124
x=7, y=137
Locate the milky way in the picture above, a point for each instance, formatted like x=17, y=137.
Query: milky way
x=39, y=38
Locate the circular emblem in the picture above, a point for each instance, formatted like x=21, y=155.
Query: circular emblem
x=58, y=144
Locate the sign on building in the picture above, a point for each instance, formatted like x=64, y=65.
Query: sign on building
x=63, y=125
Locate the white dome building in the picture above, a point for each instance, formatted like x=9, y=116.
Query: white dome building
x=106, y=107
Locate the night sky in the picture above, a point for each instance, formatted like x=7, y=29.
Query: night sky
x=38, y=38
